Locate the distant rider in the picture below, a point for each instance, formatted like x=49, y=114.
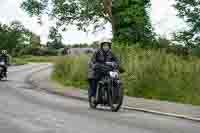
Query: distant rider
x=5, y=57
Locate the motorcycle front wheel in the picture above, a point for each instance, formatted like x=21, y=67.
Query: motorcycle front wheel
x=116, y=104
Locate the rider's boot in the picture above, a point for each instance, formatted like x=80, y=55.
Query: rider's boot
x=93, y=99
x=5, y=75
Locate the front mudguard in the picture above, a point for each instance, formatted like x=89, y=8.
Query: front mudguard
x=117, y=88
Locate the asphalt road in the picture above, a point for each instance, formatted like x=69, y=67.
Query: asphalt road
x=23, y=110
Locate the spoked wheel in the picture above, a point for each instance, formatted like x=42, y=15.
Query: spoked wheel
x=116, y=103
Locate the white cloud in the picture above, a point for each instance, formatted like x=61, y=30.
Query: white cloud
x=10, y=10
x=164, y=19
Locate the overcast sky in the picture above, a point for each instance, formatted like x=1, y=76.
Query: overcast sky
x=163, y=18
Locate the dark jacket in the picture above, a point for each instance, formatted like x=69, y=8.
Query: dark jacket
x=5, y=58
x=100, y=57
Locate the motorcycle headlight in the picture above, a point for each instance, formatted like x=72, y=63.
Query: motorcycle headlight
x=114, y=74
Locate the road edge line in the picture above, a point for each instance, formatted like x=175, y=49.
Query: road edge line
x=162, y=113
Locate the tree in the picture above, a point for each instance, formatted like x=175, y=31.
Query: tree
x=55, y=39
x=20, y=35
x=35, y=41
x=129, y=18
x=189, y=11
x=13, y=37
x=4, y=35
x=81, y=13
x=163, y=42
x=132, y=22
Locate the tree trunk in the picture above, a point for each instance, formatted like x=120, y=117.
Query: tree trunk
x=108, y=10
x=108, y=7
x=114, y=25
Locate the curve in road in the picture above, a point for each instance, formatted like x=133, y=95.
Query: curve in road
x=23, y=110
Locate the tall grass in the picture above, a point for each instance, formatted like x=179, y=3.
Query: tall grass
x=71, y=71
x=149, y=73
x=157, y=75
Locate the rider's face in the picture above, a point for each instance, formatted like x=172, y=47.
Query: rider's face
x=106, y=47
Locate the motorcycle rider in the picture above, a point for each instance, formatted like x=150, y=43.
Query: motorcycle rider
x=101, y=56
x=4, y=57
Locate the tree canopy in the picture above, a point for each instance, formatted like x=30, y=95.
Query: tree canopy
x=14, y=36
x=81, y=13
x=189, y=11
x=129, y=18
x=132, y=20
x=55, y=39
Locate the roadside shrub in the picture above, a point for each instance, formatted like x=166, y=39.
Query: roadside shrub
x=37, y=52
x=179, y=50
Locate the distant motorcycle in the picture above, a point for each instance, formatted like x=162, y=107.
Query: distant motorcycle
x=109, y=90
x=3, y=74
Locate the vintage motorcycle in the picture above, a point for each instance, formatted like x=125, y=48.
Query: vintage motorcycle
x=3, y=74
x=109, y=90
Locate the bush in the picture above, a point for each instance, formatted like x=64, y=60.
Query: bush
x=43, y=52
x=37, y=52
x=195, y=52
x=179, y=50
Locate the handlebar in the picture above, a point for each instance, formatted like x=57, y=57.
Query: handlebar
x=115, y=65
x=111, y=64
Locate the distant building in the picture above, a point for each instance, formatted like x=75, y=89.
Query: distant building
x=75, y=51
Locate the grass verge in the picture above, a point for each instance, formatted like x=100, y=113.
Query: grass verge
x=149, y=74
x=27, y=59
